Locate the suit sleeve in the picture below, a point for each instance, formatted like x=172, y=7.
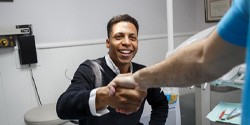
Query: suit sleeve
x=73, y=103
x=159, y=105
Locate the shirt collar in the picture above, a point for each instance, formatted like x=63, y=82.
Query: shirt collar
x=113, y=67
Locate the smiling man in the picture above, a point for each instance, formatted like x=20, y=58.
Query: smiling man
x=88, y=99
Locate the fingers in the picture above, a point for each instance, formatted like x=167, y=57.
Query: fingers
x=124, y=112
x=129, y=100
x=122, y=80
x=125, y=80
x=126, y=74
x=127, y=109
x=126, y=96
x=111, y=90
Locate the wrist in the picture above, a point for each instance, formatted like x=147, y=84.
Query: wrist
x=139, y=80
x=102, y=95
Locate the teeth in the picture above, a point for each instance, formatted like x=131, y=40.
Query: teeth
x=125, y=51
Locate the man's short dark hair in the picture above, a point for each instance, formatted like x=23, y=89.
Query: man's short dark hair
x=121, y=18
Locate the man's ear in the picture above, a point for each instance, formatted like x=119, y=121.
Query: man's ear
x=107, y=42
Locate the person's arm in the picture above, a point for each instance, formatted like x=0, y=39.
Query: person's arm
x=196, y=63
x=159, y=106
x=74, y=102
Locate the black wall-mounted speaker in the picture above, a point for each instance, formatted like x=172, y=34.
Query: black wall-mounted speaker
x=27, y=49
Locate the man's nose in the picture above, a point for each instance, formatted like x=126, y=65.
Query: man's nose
x=126, y=41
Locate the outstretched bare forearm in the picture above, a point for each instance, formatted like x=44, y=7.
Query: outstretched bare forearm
x=202, y=61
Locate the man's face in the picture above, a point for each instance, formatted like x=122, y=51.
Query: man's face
x=122, y=43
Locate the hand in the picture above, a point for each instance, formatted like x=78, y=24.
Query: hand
x=124, y=100
x=122, y=80
x=126, y=81
x=127, y=100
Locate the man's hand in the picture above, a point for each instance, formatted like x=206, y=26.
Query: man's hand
x=125, y=81
x=127, y=100
x=124, y=100
x=121, y=82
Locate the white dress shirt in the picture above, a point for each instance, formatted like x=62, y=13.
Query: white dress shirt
x=92, y=97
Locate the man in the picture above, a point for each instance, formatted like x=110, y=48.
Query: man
x=202, y=61
x=88, y=99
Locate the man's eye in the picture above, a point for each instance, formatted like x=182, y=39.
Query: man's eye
x=133, y=38
x=118, y=37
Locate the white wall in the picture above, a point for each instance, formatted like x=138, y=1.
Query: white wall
x=79, y=28
x=64, y=20
x=200, y=16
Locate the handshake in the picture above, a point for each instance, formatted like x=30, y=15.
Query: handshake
x=125, y=94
